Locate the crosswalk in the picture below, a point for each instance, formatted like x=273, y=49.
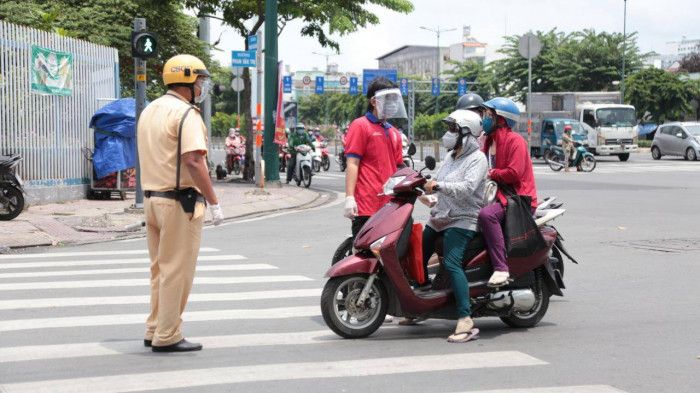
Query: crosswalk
x=72, y=322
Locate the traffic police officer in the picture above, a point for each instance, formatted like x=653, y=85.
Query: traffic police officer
x=172, y=147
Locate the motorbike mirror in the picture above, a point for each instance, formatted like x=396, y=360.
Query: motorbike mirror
x=430, y=162
x=411, y=149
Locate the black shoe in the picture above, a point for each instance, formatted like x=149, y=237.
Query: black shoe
x=181, y=346
x=147, y=343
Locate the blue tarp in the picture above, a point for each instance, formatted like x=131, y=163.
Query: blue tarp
x=115, y=137
x=648, y=128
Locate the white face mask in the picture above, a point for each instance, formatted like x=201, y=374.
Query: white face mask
x=204, y=87
x=449, y=140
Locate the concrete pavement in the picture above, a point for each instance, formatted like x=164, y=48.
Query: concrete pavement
x=87, y=221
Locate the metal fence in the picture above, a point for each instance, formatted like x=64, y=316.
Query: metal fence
x=47, y=130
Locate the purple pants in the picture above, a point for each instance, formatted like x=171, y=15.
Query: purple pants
x=490, y=220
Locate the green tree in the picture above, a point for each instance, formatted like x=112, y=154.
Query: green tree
x=429, y=126
x=660, y=95
x=482, y=75
x=220, y=124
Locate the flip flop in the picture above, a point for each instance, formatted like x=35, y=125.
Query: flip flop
x=463, y=337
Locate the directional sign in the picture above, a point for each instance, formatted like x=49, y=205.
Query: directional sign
x=462, y=87
x=319, y=85
x=435, y=88
x=369, y=75
x=243, y=58
x=144, y=44
x=353, y=86
x=252, y=42
x=343, y=80
x=403, y=85
x=287, y=84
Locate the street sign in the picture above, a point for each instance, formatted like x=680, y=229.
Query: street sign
x=319, y=85
x=287, y=84
x=243, y=58
x=252, y=42
x=403, y=86
x=435, y=88
x=343, y=80
x=461, y=87
x=353, y=86
x=369, y=75
x=237, y=84
x=144, y=44
x=529, y=46
x=306, y=80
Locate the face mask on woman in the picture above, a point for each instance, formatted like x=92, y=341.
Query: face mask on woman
x=488, y=123
x=449, y=140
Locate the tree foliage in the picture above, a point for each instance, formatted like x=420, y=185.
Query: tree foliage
x=661, y=95
x=331, y=108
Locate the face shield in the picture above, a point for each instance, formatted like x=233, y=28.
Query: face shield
x=205, y=88
x=389, y=104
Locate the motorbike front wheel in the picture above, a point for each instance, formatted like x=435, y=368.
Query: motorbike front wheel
x=341, y=312
x=326, y=164
x=317, y=166
x=11, y=203
x=587, y=163
x=306, y=173
x=530, y=318
x=554, y=161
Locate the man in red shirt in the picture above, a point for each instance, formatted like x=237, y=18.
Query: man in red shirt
x=373, y=152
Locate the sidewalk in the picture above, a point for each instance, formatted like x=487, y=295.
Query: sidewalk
x=89, y=221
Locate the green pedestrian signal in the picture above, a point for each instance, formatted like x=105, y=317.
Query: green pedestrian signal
x=144, y=44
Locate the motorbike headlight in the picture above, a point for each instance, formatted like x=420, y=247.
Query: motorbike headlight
x=391, y=183
x=377, y=246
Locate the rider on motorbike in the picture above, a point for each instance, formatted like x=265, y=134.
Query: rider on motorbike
x=511, y=167
x=297, y=138
x=460, y=186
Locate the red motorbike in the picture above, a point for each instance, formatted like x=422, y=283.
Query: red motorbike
x=325, y=157
x=284, y=157
x=364, y=287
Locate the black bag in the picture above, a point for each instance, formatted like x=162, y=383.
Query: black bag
x=522, y=237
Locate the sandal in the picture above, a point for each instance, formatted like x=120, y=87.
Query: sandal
x=463, y=337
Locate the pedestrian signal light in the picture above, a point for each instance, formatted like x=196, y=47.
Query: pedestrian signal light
x=144, y=44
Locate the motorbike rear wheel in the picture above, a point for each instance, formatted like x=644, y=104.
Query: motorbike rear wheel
x=341, y=312
x=306, y=173
x=532, y=317
x=11, y=204
x=326, y=163
x=587, y=163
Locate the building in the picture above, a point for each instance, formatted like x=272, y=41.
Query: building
x=675, y=52
x=421, y=60
x=683, y=47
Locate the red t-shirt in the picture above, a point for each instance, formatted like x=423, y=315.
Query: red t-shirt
x=378, y=147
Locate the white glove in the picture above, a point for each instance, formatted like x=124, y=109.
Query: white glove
x=428, y=200
x=350, y=207
x=217, y=215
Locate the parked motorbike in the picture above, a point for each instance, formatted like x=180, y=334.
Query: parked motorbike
x=583, y=160
x=303, y=171
x=11, y=188
x=364, y=287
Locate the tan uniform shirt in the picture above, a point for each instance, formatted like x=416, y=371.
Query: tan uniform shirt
x=157, y=141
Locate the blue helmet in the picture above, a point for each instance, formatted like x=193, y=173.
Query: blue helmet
x=506, y=108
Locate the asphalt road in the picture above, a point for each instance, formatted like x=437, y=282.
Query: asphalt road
x=628, y=320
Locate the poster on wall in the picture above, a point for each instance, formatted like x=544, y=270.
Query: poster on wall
x=52, y=71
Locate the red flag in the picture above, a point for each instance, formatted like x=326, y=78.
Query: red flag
x=280, y=135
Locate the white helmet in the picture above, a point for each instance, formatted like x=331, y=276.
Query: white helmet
x=468, y=122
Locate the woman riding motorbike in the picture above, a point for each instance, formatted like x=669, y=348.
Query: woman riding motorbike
x=459, y=185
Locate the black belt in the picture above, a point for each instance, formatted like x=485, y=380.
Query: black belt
x=168, y=194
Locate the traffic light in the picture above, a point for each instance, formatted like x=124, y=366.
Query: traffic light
x=144, y=44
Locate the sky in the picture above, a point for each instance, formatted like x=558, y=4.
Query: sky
x=656, y=23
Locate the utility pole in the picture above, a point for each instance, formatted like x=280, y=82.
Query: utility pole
x=206, y=105
x=624, y=50
x=140, y=96
x=437, y=31
x=272, y=172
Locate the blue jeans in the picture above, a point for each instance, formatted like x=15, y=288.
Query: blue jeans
x=455, y=242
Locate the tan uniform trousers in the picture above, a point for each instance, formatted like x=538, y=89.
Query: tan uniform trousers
x=173, y=246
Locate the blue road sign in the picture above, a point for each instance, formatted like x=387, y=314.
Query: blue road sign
x=403, y=85
x=287, y=84
x=369, y=75
x=243, y=58
x=353, y=86
x=462, y=87
x=252, y=42
x=319, y=85
x=435, y=88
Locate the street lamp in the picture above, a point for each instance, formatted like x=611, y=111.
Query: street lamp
x=326, y=55
x=437, y=31
x=624, y=49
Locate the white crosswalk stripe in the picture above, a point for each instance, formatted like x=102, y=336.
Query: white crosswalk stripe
x=209, y=268
x=102, y=262
x=86, y=253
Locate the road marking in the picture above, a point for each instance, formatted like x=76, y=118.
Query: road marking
x=86, y=253
x=100, y=262
x=278, y=372
x=128, y=319
x=195, y=297
x=200, y=268
x=137, y=282
x=557, y=389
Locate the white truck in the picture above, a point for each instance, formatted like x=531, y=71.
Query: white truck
x=609, y=128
